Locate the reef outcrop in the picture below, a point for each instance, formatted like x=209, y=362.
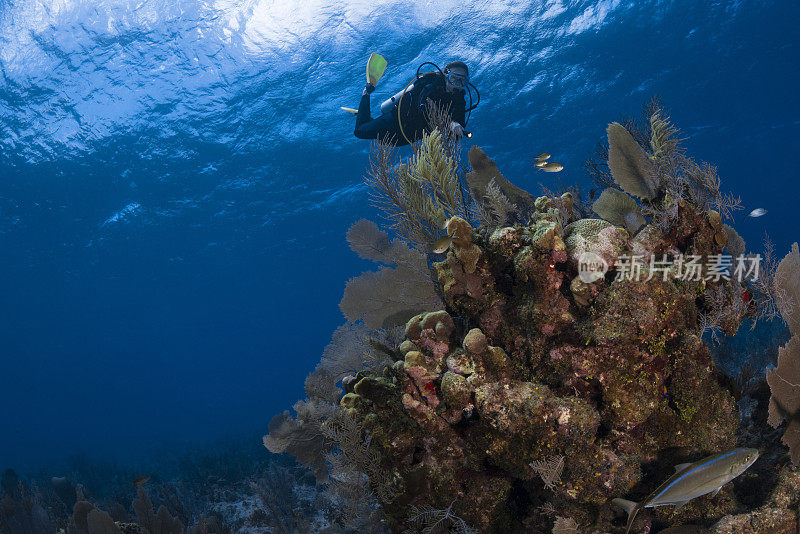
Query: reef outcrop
x=568, y=365
x=610, y=375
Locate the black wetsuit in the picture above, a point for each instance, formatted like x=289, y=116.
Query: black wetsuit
x=431, y=85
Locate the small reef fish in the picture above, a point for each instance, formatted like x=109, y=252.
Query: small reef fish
x=693, y=480
x=552, y=167
x=540, y=163
x=442, y=244
x=141, y=479
x=758, y=212
x=543, y=156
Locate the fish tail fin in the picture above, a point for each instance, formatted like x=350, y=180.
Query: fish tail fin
x=629, y=506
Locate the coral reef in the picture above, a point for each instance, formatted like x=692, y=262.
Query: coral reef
x=609, y=385
x=539, y=393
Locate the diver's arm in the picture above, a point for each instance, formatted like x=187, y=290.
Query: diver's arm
x=458, y=116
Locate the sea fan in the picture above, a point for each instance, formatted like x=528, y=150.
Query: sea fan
x=784, y=404
x=630, y=166
x=619, y=209
x=736, y=245
x=391, y=295
x=302, y=436
x=787, y=286
x=784, y=380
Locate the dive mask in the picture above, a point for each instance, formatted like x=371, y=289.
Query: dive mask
x=459, y=81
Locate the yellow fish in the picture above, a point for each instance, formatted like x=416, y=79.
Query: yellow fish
x=552, y=167
x=442, y=244
x=543, y=156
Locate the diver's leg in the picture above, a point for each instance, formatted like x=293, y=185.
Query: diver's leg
x=383, y=127
x=364, y=117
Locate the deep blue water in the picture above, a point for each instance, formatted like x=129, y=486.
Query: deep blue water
x=176, y=178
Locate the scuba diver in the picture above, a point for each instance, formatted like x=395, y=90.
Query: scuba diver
x=403, y=116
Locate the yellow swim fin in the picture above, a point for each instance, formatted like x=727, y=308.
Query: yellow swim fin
x=376, y=65
x=349, y=110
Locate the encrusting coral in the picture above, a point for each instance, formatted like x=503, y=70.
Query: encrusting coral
x=537, y=392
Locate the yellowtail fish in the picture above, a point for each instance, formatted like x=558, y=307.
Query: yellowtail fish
x=543, y=156
x=141, y=479
x=552, y=167
x=693, y=480
x=349, y=110
x=758, y=212
x=442, y=244
x=540, y=163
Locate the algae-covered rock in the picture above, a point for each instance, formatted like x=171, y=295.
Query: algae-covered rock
x=475, y=342
x=609, y=375
x=456, y=391
x=650, y=241
x=761, y=521
x=583, y=293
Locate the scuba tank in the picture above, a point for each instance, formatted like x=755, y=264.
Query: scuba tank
x=392, y=101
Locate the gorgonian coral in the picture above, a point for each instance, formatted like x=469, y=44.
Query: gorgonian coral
x=784, y=380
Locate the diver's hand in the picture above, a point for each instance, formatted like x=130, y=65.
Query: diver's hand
x=457, y=129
